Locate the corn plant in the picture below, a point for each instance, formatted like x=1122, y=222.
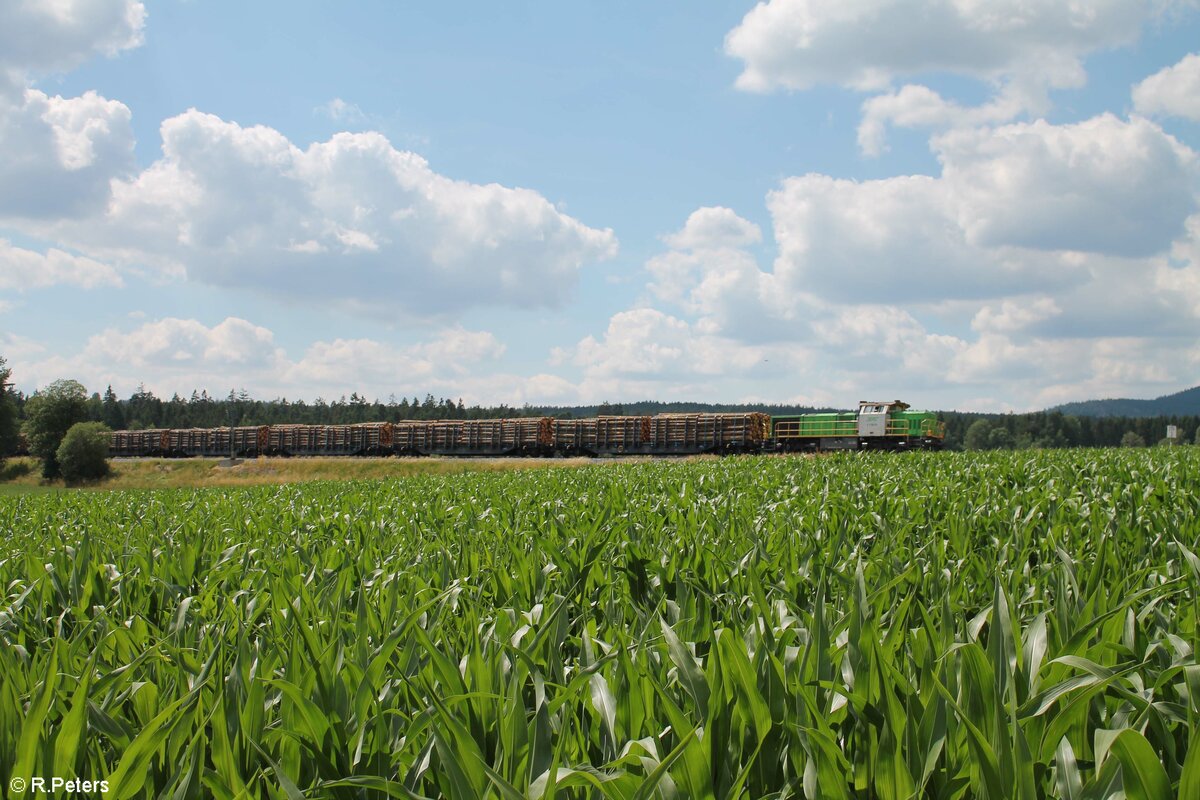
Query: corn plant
x=1003, y=625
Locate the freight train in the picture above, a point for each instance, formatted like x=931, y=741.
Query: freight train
x=875, y=426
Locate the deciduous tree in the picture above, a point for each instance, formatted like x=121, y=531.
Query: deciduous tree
x=51, y=413
x=978, y=435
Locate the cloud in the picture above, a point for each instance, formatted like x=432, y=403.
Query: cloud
x=645, y=352
x=915, y=106
x=1022, y=49
x=885, y=339
x=1011, y=316
x=896, y=240
x=28, y=269
x=725, y=286
x=458, y=346
x=1046, y=372
x=1173, y=91
x=339, y=110
x=351, y=221
x=1103, y=185
x=712, y=228
x=454, y=362
x=845, y=353
x=172, y=345
x=19, y=349
x=866, y=44
x=38, y=38
x=1012, y=212
x=710, y=273
x=352, y=362
x=58, y=156
x=173, y=355
x=1024, y=271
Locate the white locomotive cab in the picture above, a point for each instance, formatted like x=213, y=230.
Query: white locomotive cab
x=873, y=417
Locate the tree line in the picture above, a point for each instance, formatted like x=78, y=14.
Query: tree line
x=1054, y=429
x=52, y=407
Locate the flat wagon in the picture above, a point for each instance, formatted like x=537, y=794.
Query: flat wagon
x=599, y=436
x=525, y=436
x=682, y=434
x=362, y=439
x=139, y=444
x=247, y=441
x=189, y=442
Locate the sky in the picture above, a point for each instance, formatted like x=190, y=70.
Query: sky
x=989, y=206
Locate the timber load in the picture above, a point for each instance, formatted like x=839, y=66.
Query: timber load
x=877, y=425
x=599, y=436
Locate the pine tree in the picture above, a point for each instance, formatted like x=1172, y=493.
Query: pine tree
x=111, y=413
x=8, y=413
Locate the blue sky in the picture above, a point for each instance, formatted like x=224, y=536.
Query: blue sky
x=984, y=206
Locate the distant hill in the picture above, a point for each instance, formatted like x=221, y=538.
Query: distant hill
x=1185, y=403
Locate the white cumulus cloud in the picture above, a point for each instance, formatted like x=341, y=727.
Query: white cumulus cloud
x=895, y=240
x=1011, y=212
x=174, y=355
x=349, y=221
x=714, y=227
x=1021, y=49
x=1018, y=273
x=185, y=344
x=1014, y=315
x=38, y=37
x=915, y=106
x=1174, y=90
x=1103, y=185
x=865, y=44
x=710, y=273
x=645, y=352
x=21, y=269
x=58, y=156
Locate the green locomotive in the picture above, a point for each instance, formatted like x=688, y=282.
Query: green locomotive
x=876, y=426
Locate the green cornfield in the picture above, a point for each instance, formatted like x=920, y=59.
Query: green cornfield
x=1003, y=625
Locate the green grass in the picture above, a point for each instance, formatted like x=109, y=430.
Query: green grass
x=14, y=489
x=23, y=475
x=1000, y=625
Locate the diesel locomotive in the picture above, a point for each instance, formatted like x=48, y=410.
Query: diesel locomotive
x=875, y=426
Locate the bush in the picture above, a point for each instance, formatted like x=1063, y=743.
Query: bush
x=1132, y=439
x=83, y=454
x=11, y=470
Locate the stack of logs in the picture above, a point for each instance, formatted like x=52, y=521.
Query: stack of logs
x=664, y=434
